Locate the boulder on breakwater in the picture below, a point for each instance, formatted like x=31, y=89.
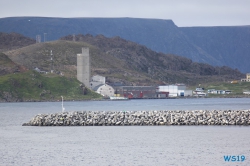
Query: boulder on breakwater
x=141, y=118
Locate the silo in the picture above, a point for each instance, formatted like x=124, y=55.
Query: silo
x=83, y=66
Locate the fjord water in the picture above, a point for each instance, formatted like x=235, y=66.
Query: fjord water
x=121, y=145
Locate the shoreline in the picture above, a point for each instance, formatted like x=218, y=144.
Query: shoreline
x=191, y=97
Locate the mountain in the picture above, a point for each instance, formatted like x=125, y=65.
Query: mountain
x=120, y=61
x=229, y=45
x=218, y=46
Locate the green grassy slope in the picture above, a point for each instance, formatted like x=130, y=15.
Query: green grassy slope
x=236, y=89
x=32, y=86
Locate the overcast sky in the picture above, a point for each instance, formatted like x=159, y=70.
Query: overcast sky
x=182, y=12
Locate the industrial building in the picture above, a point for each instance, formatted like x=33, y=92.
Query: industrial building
x=175, y=90
x=164, y=91
x=105, y=90
x=214, y=91
x=98, y=84
x=141, y=92
x=83, y=67
x=136, y=91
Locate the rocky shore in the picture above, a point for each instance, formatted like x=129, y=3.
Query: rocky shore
x=141, y=118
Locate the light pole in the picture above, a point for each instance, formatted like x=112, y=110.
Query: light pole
x=52, y=64
x=44, y=37
x=62, y=104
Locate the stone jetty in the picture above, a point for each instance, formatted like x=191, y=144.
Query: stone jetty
x=142, y=118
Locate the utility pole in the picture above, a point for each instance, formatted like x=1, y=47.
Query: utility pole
x=38, y=38
x=52, y=64
x=44, y=37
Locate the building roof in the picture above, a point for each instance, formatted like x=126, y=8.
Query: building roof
x=96, y=87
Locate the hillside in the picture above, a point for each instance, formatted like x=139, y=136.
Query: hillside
x=32, y=86
x=120, y=61
x=237, y=89
x=223, y=46
x=7, y=66
x=10, y=41
x=163, y=67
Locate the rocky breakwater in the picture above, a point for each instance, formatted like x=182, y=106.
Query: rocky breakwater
x=141, y=118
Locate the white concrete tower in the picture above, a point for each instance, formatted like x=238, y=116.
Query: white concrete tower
x=83, y=67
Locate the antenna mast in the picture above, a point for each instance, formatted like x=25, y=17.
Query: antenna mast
x=44, y=37
x=52, y=64
x=38, y=38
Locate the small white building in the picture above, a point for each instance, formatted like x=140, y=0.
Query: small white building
x=104, y=90
x=98, y=78
x=172, y=89
x=175, y=90
x=247, y=79
x=96, y=81
x=214, y=91
x=246, y=92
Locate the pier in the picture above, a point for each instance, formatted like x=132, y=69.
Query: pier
x=142, y=118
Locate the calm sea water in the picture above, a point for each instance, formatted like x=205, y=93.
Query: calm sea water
x=121, y=145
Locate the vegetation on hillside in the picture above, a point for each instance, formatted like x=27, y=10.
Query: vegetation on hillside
x=10, y=41
x=236, y=88
x=32, y=86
